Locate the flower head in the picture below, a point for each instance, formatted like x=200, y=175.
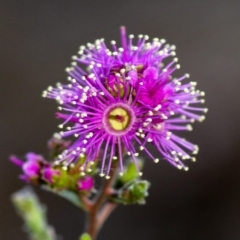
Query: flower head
x=85, y=184
x=118, y=100
x=49, y=173
x=31, y=167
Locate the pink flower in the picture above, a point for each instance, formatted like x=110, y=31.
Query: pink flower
x=85, y=184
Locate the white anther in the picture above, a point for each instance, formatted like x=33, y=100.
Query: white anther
x=50, y=88
x=83, y=115
x=193, y=83
x=157, y=107
x=176, y=159
x=186, y=90
x=201, y=118
x=123, y=70
x=156, y=160
x=64, y=168
x=164, y=116
x=82, y=168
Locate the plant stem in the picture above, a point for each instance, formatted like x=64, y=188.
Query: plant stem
x=99, y=210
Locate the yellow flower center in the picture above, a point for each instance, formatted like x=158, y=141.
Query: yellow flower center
x=119, y=119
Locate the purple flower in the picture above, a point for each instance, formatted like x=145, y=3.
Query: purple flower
x=85, y=184
x=49, y=173
x=118, y=100
x=31, y=167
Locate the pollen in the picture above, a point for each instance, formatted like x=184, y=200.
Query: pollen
x=119, y=119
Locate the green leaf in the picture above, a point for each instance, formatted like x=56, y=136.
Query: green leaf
x=131, y=172
x=67, y=194
x=132, y=193
x=85, y=236
x=33, y=214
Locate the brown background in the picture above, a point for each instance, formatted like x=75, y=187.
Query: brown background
x=37, y=39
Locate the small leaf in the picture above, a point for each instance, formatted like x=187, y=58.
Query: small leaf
x=131, y=172
x=85, y=236
x=67, y=194
x=132, y=193
x=33, y=214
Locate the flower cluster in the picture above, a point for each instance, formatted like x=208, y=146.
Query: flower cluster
x=55, y=176
x=119, y=100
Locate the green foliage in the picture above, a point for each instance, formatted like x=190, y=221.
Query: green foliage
x=130, y=173
x=132, y=193
x=33, y=214
x=85, y=236
x=67, y=194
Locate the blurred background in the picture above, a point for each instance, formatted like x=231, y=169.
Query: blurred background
x=37, y=40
